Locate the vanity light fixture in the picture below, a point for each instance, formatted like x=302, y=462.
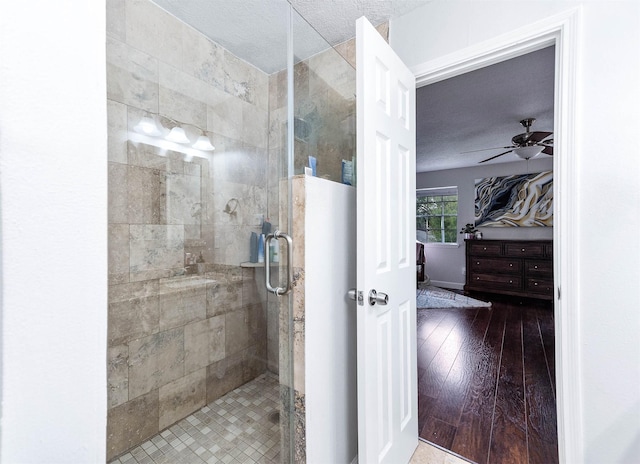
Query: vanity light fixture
x=177, y=135
x=148, y=126
x=203, y=143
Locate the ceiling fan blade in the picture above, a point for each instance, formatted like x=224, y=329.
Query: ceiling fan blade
x=538, y=136
x=493, y=157
x=548, y=151
x=485, y=149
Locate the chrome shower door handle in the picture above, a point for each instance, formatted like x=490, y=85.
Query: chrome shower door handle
x=267, y=268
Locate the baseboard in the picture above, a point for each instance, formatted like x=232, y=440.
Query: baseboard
x=453, y=285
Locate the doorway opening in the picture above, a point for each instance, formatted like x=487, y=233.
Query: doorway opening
x=561, y=32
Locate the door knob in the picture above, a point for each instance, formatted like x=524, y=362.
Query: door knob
x=354, y=294
x=380, y=298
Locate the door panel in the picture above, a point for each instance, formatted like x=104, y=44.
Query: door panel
x=387, y=371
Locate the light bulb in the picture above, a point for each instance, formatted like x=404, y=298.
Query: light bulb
x=528, y=152
x=147, y=126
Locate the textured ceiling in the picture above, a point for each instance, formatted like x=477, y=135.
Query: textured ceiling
x=335, y=19
x=256, y=30
x=482, y=109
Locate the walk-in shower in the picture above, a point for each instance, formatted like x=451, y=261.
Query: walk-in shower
x=201, y=155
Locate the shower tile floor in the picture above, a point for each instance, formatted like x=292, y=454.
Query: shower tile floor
x=240, y=427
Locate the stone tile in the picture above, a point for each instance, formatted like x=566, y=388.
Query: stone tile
x=183, y=108
x=193, y=169
x=118, y=201
x=250, y=293
x=225, y=116
x=255, y=124
x=133, y=311
x=328, y=70
x=146, y=195
x=183, y=201
x=237, y=331
x=156, y=248
x=131, y=423
x=255, y=362
x=217, y=338
x=117, y=132
x=192, y=232
x=118, y=253
x=278, y=132
x=117, y=375
x=196, y=346
x=203, y=59
x=273, y=333
x=179, y=304
x=246, y=82
x=155, y=361
x=182, y=397
x=225, y=375
x=383, y=29
x=298, y=356
x=132, y=76
x=154, y=31
x=116, y=19
x=348, y=51
x=223, y=297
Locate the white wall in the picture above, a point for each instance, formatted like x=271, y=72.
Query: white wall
x=330, y=322
x=445, y=262
x=608, y=97
x=53, y=180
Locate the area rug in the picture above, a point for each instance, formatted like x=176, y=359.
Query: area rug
x=430, y=297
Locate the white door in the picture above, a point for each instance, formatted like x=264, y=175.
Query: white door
x=387, y=369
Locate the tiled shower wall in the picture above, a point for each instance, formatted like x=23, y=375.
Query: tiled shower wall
x=181, y=335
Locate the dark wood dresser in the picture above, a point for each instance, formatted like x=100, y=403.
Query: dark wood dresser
x=510, y=267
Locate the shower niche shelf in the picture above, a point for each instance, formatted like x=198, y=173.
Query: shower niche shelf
x=250, y=264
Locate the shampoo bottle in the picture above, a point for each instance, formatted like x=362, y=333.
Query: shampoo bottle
x=261, y=248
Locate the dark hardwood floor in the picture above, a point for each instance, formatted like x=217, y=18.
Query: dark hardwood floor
x=486, y=381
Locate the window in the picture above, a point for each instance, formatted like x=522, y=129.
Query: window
x=437, y=215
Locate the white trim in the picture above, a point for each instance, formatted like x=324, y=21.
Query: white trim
x=563, y=31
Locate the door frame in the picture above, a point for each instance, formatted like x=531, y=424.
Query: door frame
x=561, y=30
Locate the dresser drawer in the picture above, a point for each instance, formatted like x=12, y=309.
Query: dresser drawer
x=524, y=250
x=544, y=286
x=539, y=268
x=479, y=248
x=497, y=280
x=503, y=266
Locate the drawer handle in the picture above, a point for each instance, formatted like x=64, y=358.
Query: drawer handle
x=510, y=265
x=523, y=250
x=511, y=281
x=535, y=267
x=484, y=249
x=477, y=278
x=535, y=284
x=478, y=262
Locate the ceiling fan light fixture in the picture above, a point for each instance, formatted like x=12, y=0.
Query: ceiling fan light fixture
x=528, y=152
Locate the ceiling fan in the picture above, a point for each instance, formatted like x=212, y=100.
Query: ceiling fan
x=526, y=145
